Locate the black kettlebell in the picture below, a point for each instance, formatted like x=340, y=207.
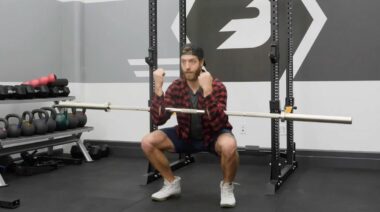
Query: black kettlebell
x=82, y=117
x=13, y=130
x=52, y=124
x=75, y=152
x=41, y=122
x=27, y=126
x=73, y=119
x=61, y=121
x=95, y=152
x=105, y=150
x=3, y=130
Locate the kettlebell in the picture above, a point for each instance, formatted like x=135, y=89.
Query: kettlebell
x=73, y=119
x=40, y=123
x=13, y=130
x=52, y=125
x=3, y=130
x=61, y=121
x=75, y=152
x=27, y=126
x=82, y=117
x=105, y=150
x=95, y=152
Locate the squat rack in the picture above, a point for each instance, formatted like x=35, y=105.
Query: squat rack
x=282, y=164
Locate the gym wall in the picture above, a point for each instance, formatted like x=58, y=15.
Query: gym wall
x=101, y=45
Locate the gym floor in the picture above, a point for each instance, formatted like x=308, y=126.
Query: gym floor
x=116, y=184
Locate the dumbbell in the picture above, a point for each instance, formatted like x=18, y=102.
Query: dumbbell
x=34, y=83
x=59, y=83
x=3, y=92
x=59, y=91
x=30, y=92
x=7, y=91
x=42, y=91
x=19, y=92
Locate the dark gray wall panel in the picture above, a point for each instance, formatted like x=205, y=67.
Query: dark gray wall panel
x=348, y=46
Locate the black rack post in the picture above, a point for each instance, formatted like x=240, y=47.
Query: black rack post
x=274, y=104
x=182, y=24
x=289, y=101
x=282, y=164
x=151, y=60
x=182, y=42
x=182, y=29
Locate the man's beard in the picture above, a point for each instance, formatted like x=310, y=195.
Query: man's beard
x=192, y=76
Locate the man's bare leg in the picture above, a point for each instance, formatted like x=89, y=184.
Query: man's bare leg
x=226, y=147
x=153, y=145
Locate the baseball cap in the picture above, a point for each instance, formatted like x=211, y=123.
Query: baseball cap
x=191, y=49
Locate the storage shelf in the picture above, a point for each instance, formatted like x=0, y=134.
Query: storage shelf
x=35, y=138
x=16, y=101
x=10, y=146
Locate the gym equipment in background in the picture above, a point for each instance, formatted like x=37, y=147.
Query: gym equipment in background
x=27, y=126
x=14, y=129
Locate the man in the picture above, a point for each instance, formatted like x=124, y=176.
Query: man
x=209, y=132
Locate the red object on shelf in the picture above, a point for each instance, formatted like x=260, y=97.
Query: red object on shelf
x=43, y=81
x=51, y=78
x=26, y=83
x=34, y=82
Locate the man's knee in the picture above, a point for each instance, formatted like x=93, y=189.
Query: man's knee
x=155, y=140
x=147, y=143
x=227, y=145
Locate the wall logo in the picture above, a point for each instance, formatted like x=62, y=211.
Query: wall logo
x=236, y=36
x=250, y=32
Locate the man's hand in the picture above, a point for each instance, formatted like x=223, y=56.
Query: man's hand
x=158, y=76
x=205, y=81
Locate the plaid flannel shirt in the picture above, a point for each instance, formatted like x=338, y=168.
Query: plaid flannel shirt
x=178, y=96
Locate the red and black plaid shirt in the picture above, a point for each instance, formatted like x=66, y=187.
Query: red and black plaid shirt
x=178, y=96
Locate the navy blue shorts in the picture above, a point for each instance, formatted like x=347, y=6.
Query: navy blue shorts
x=194, y=146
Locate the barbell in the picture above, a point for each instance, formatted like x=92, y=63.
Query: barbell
x=281, y=116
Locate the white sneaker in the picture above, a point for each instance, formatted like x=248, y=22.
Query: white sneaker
x=227, y=197
x=169, y=189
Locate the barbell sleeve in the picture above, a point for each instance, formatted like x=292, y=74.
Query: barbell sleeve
x=282, y=116
x=316, y=118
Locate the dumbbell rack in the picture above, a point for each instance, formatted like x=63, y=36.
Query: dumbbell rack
x=10, y=146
